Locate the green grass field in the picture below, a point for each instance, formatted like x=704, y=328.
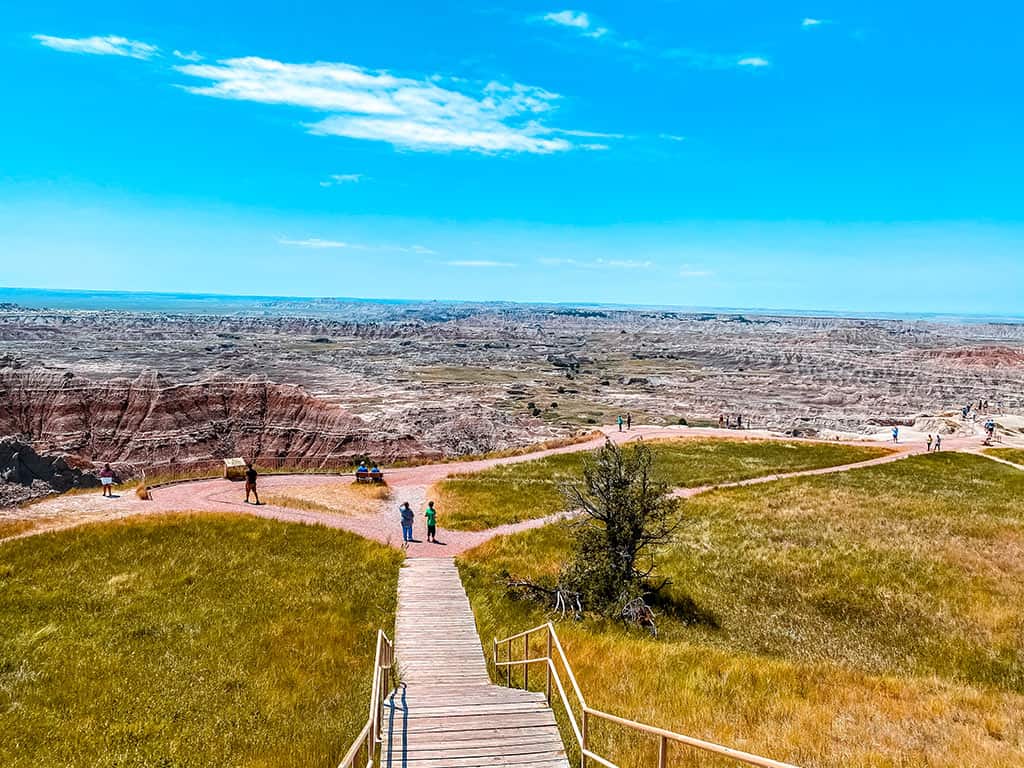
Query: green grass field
x=188, y=641
x=514, y=492
x=871, y=618
x=1016, y=455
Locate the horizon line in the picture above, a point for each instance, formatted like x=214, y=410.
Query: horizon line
x=851, y=314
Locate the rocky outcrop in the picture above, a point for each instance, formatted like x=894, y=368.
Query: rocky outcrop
x=24, y=474
x=149, y=421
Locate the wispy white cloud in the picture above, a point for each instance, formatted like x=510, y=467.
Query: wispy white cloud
x=426, y=114
x=690, y=271
x=434, y=113
x=319, y=243
x=597, y=263
x=588, y=134
x=671, y=137
x=109, y=45
x=809, y=22
x=342, y=178
x=479, y=264
x=706, y=60
x=316, y=242
x=577, y=20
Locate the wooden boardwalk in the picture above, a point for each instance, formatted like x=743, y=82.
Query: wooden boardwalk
x=446, y=713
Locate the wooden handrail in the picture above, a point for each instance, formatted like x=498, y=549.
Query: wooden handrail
x=367, y=743
x=581, y=731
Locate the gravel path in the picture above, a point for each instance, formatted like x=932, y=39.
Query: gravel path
x=409, y=484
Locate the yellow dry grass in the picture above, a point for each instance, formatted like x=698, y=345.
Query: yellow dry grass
x=864, y=620
x=12, y=527
x=342, y=498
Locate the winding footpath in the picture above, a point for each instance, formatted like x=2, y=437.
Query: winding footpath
x=407, y=484
x=446, y=712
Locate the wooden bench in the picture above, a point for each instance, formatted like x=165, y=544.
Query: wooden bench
x=369, y=477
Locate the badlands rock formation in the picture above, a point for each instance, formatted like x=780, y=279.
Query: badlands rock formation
x=149, y=421
x=478, y=377
x=24, y=474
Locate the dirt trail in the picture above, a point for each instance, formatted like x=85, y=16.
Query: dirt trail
x=408, y=484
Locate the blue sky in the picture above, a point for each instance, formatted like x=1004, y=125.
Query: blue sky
x=864, y=156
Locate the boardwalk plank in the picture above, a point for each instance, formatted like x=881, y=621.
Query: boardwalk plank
x=446, y=713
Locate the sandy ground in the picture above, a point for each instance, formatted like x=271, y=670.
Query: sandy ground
x=408, y=484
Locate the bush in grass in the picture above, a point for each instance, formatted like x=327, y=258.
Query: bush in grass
x=626, y=517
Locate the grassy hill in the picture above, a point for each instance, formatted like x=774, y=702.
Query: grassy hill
x=514, y=492
x=188, y=641
x=871, y=618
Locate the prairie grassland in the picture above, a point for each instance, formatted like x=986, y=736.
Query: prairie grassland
x=1016, y=455
x=342, y=498
x=14, y=527
x=871, y=618
x=514, y=492
x=191, y=640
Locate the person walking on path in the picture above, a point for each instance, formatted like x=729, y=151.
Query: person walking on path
x=407, y=517
x=107, y=480
x=938, y=443
x=431, y=514
x=895, y=434
x=620, y=422
x=250, y=483
x=629, y=421
x=929, y=443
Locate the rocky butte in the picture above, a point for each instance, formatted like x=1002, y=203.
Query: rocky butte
x=148, y=421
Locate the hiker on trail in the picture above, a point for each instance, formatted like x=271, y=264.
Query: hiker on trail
x=929, y=443
x=938, y=442
x=629, y=421
x=250, y=483
x=407, y=517
x=620, y=422
x=721, y=420
x=107, y=480
x=431, y=514
x=895, y=434
x=739, y=421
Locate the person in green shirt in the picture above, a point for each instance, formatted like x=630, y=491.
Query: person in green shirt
x=431, y=514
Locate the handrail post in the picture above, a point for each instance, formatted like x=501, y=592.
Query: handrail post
x=662, y=752
x=583, y=740
x=548, y=668
x=508, y=658
x=526, y=657
x=495, y=659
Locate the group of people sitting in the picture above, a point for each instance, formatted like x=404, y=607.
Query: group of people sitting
x=373, y=474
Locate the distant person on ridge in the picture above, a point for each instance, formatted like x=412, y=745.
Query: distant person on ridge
x=620, y=422
x=431, y=514
x=107, y=480
x=250, y=483
x=929, y=443
x=407, y=517
x=629, y=421
x=938, y=442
